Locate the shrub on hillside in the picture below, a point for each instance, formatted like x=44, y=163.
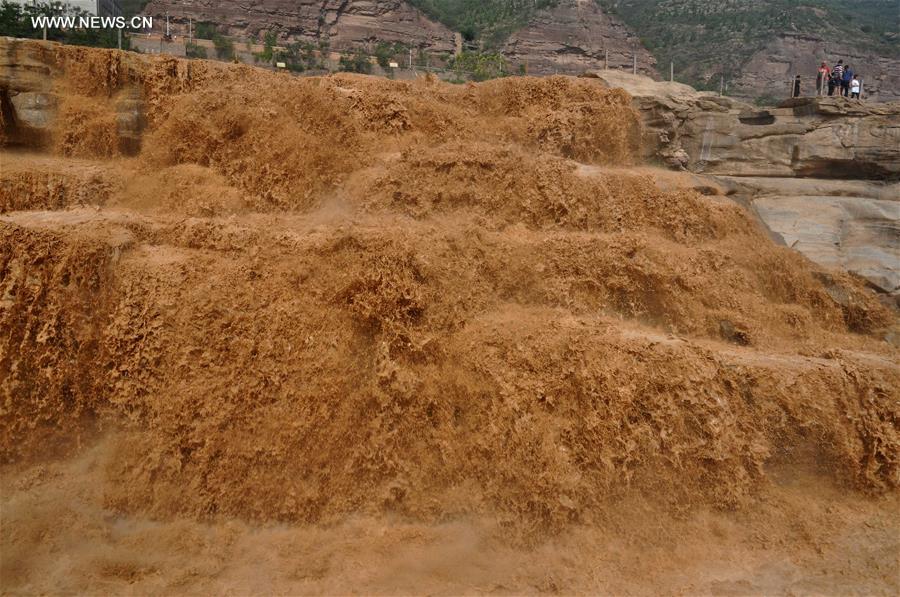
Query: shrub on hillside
x=357, y=62
x=194, y=51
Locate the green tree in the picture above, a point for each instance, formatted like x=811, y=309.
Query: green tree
x=15, y=21
x=480, y=66
x=355, y=62
x=205, y=30
x=194, y=51
x=269, y=40
x=385, y=52
x=488, y=21
x=224, y=47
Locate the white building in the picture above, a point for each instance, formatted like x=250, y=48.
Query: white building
x=101, y=8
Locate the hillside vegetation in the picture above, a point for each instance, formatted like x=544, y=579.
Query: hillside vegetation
x=489, y=21
x=708, y=37
x=16, y=21
x=705, y=38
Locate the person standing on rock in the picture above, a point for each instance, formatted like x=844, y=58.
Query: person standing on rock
x=822, y=79
x=855, y=87
x=845, y=81
x=836, y=75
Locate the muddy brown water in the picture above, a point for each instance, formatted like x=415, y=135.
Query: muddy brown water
x=347, y=335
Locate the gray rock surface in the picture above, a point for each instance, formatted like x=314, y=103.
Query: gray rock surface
x=34, y=109
x=854, y=225
x=857, y=234
x=809, y=137
x=28, y=106
x=769, y=71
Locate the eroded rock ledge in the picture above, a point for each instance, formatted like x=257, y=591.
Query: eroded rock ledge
x=822, y=173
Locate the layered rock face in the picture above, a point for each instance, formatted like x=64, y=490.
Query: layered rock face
x=804, y=137
x=769, y=71
x=32, y=106
x=854, y=225
x=575, y=36
x=569, y=38
x=821, y=172
x=343, y=23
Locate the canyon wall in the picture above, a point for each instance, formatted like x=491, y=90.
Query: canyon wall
x=343, y=23
x=768, y=71
x=575, y=36
x=569, y=38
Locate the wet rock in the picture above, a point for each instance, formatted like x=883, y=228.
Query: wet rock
x=734, y=333
x=859, y=234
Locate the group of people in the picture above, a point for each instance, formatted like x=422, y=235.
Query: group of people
x=840, y=79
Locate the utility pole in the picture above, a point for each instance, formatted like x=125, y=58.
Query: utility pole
x=671, y=71
x=410, y=59
x=119, y=36
x=606, y=60
x=190, y=30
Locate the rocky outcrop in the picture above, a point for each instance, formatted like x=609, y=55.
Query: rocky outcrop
x=806, y=137
x=36, y=114
x=575, y=36
x=29, y=106
x=773, y=67
x=827, y=138
x=342, y=23
x=854, y=225
x=820, y=172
